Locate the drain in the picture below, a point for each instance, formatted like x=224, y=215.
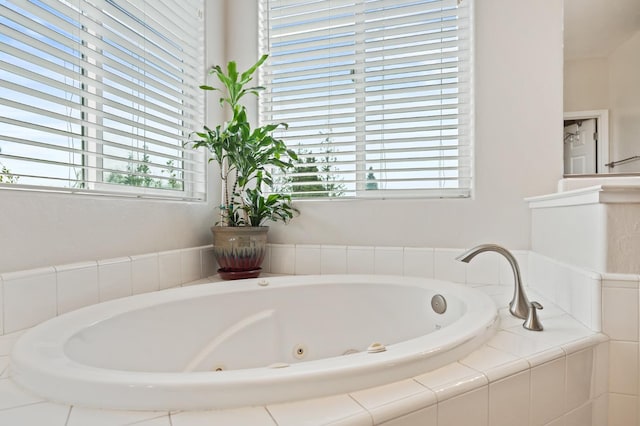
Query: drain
x=299, y=351
x=439, y=304
x=218, y=368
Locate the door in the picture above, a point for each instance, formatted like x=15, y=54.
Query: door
x=580, y=146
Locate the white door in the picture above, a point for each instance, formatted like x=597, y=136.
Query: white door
x=580, y=147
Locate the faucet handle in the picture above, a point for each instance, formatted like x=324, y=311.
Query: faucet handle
x=532, y=322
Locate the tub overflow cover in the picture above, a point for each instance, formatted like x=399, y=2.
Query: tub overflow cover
x=439, y=304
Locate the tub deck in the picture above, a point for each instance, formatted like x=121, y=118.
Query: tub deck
x=521, y=359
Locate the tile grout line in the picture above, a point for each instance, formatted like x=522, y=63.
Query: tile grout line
x=369, y=413
x=266, y=408
x=22, y=405
x=66, y=423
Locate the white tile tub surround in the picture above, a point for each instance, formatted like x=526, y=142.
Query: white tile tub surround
x=424, y=417
x=283, y=259
x=42, y=413
x=439, y=263
x=394, y=400
x=623, y=372
x=114, y=278
x=4, y=366
x=576, y=291
x=209, y=264
x=170, y=268
x=77, y=286
x=418, y=262
x=80, y=416
x=29, y=298
x=509, y=400
x=452, y=380
x=489, y=387
x=388, y=260
x=498, y=368
x=32, y=296
x=333, y=259
x=190, y=265
x=620, y=321
x=12, y=396
x=334, y=410
x=446, y=267
x=548, y=392
x=360, y=260
x=604, y=238
x=579, y=365
x=623, y=410
x=485, y=269
x=307, y=260
x=1, y=307
x=460, y=395
x=145, y=273
x=257, y=416
x=466, y=409
x=506, y=273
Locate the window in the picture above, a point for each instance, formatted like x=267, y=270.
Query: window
x=99, y=96
x=376, y=93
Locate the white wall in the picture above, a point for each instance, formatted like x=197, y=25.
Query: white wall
x=43, y=229
x=586, y=84
x=610, y=83
x=518, y=123
x=625, y=103
x=39, y=229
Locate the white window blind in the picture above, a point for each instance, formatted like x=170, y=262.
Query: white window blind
x=376, y=93
x=100, y=96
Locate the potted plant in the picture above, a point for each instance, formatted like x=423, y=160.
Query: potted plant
x=246, y=156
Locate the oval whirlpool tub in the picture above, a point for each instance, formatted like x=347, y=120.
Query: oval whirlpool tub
x=251, y=342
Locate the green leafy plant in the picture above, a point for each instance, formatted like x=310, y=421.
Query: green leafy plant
x=246, y=156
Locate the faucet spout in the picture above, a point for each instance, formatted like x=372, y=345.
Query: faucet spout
x=519, y=305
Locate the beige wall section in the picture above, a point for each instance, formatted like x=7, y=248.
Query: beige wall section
x=586, y=84
x=41, y=229
x=610, y=83
x=625, y=103
x=518, y=113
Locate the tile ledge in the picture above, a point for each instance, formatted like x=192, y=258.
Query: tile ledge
x=597, y=194
x=27, y=273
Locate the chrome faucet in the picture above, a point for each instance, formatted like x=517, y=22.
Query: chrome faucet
x=519, y=306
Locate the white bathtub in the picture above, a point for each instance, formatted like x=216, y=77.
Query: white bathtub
x=274, y=340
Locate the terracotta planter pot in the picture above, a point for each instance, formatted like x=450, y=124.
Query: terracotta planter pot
x=239, y=250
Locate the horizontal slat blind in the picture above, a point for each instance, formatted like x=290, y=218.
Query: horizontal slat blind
x=376, y=93
x=99, y=96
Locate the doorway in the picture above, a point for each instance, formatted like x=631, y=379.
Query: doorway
x=580, y=146
x=586, y=142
